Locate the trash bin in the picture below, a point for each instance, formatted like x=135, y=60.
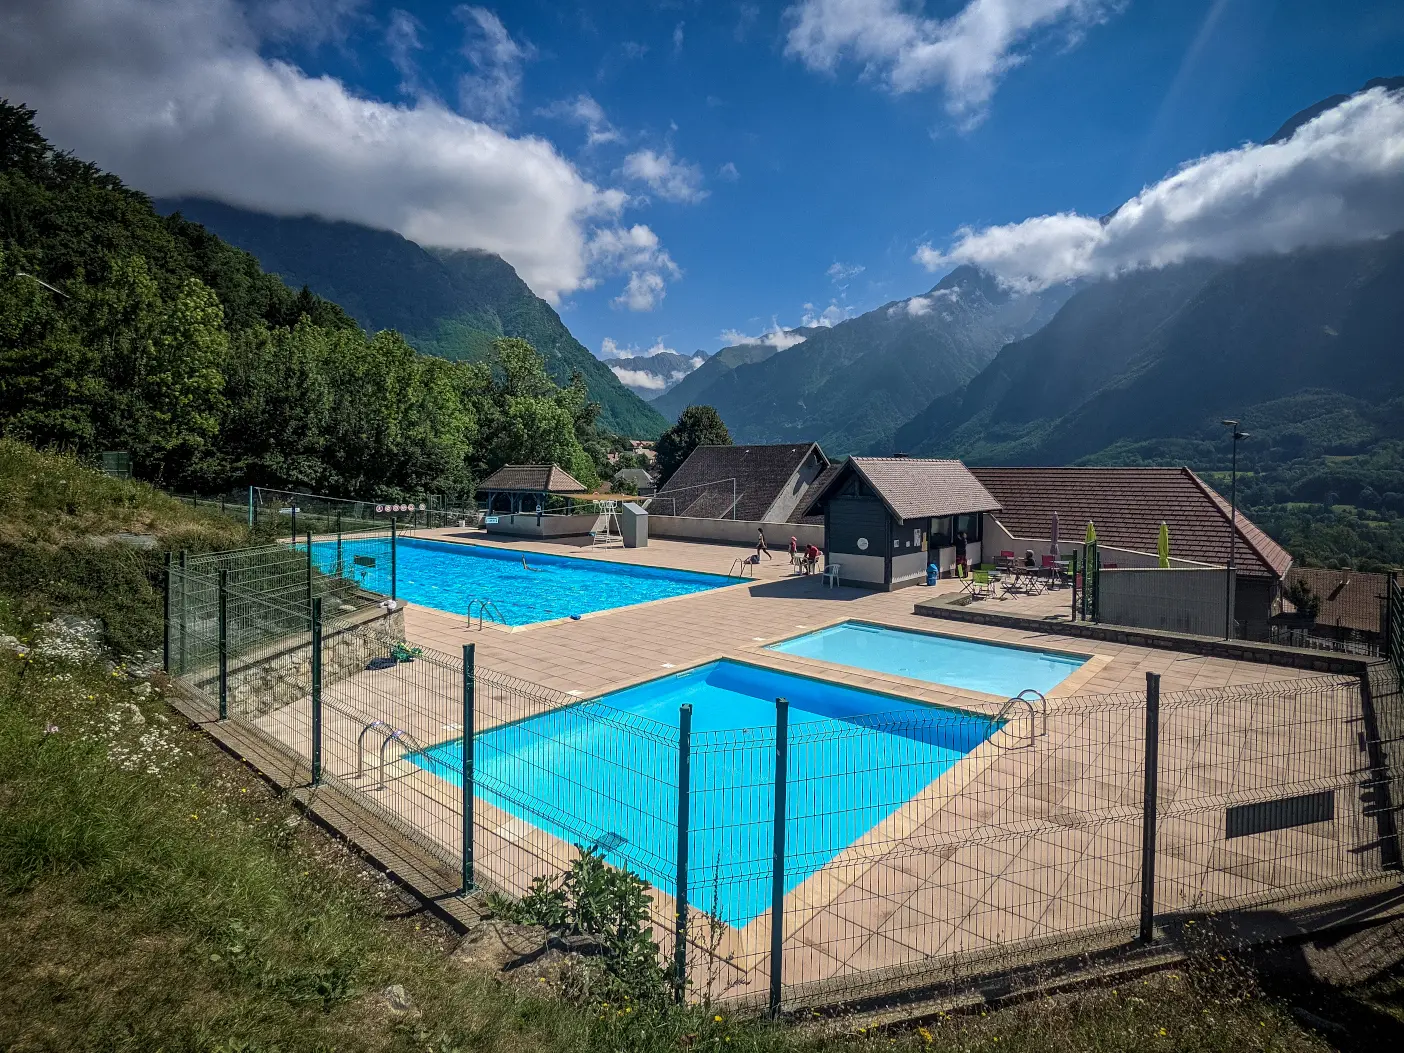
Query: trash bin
x=933, y=573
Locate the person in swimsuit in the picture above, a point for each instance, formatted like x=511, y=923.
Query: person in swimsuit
x=760, y=546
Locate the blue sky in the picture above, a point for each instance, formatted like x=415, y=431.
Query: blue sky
x=702, y=168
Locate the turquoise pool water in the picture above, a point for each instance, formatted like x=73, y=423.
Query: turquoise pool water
x=968, y=664
x=448, y=576
x=604, y=772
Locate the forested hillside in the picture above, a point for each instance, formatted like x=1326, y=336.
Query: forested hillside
x=121, y=329
x=453, y=304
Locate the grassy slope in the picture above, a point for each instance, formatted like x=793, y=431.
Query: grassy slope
x=154, y=895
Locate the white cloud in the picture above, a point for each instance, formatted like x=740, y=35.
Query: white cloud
x=827, y=318
x=728, y=172
x=965, y=54
x=842, y=272
x=775, y=337
x=921, y=305
x=584, y=110
x=174, y=97
x=609, y=348
x=640, y=379
x=490, y=92
x=667, y=177
x=311, y=21
x=1339, y=179
x=677, y=38
x=636, y=250
x=402, y=40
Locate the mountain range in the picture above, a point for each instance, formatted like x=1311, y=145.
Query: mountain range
x=652, y=374
x=451, y=303
x=852, y=385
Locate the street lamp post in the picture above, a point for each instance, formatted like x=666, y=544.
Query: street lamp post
x=1237, y=435
x=40, y=281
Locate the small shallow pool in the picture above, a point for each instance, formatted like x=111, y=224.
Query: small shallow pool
x=604, y=773
x=994, y=669
x=526, y=587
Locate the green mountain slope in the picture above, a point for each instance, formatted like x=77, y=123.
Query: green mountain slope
x=852, y=386
x=693, y=389
x=448, y=303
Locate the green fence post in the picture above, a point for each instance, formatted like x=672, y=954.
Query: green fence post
x=469, y=685
x=180, y=656
x=166, y=621
x=339, y=570
x=777, y=877
x=1148, y=806
x=309, y=570
x=392, y=557
x=684, y=817
x=316, y=692
x=223, y=625
x=251, y=507
x=1072, y=573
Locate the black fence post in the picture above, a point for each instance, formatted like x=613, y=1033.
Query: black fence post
x=223, y=624
x=166, y=622
x=1072, y=573
x=393, y=533
x=469, y=687
x=180, y=656
x=684, y=820
x=316, y=692
x=1148, y=822
x=777, y=877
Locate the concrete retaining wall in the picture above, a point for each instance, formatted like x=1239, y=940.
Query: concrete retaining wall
x=735, y=531
x=527, y=525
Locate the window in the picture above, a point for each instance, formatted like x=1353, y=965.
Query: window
x=943, y=532
x=971, y=525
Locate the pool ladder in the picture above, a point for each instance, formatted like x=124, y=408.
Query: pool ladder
x=486, y=608
x=1038, y=717
x=392, y=735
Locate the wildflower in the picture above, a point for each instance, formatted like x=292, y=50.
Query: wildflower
x=50, y=729
x=1163, y=1031
x=925, y=1035
x=717, y=1018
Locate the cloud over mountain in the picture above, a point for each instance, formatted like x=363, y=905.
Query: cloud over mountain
x=1339, y=178
x=175, y=97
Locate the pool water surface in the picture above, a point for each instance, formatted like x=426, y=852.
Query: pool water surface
x=993, y=669
x=526, y=587
x=605, y=773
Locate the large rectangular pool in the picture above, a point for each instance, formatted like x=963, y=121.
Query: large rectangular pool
x=604, y=773
x=526, y=587
x=994, y=669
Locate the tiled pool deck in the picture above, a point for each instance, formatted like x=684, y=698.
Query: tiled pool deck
x=1009, y=846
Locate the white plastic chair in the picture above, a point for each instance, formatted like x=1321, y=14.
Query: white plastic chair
x=831, y=574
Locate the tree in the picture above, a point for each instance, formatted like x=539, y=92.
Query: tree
x=698, y=426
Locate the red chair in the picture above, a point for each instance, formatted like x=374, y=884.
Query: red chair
x=1048, y=562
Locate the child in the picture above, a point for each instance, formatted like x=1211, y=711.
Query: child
x=760, y=546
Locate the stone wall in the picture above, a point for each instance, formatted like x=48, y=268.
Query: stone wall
x=280, y=673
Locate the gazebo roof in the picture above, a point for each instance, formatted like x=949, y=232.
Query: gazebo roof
x=532, y=479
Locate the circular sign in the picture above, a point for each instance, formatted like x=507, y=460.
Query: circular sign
x=862, y=544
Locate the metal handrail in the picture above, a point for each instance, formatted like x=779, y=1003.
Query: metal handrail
x=485, y=607
x=393, y=734
x=1022, y=697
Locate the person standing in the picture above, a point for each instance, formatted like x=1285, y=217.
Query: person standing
x=760, y=545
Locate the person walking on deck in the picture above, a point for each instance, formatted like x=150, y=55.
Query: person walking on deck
x=760, y=545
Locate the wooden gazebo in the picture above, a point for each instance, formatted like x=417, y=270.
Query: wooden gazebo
x=523, y=488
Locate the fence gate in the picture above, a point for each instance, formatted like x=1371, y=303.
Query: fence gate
x=1394, y=625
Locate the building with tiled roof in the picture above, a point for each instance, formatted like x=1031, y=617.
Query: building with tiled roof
x=886, y=519
x=525, y=487
x=763, y=484
x=1127, y=506
x=1350, y=603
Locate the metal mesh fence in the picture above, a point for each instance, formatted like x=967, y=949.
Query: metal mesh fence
x=918, y=846
x=289, y=513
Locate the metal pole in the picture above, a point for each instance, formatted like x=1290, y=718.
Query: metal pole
x=1072, y=568
x=251, y=508
x=309, y=570
x=393, y=533
x=1233, y=538
x=166, y=622
x=1148, y=823
x=684, y=817
x=294, y=523
x=469, y=683
x=223, y=644
x=777, y=877
x=180, y=658
x=317, y=691
x=339, y=570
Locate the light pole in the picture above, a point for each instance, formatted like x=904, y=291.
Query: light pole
x=40, y=281
x=1237, y=435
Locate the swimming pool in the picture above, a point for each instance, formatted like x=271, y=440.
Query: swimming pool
x=448, y=576
x=604, y=773
x=992, y=668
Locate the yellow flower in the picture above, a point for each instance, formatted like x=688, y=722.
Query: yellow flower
x=1163, y=1031
x=717, y=1018
x=925, y=1035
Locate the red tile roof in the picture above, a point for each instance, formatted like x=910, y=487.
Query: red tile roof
x=1127, y=506
x=1350, y=599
